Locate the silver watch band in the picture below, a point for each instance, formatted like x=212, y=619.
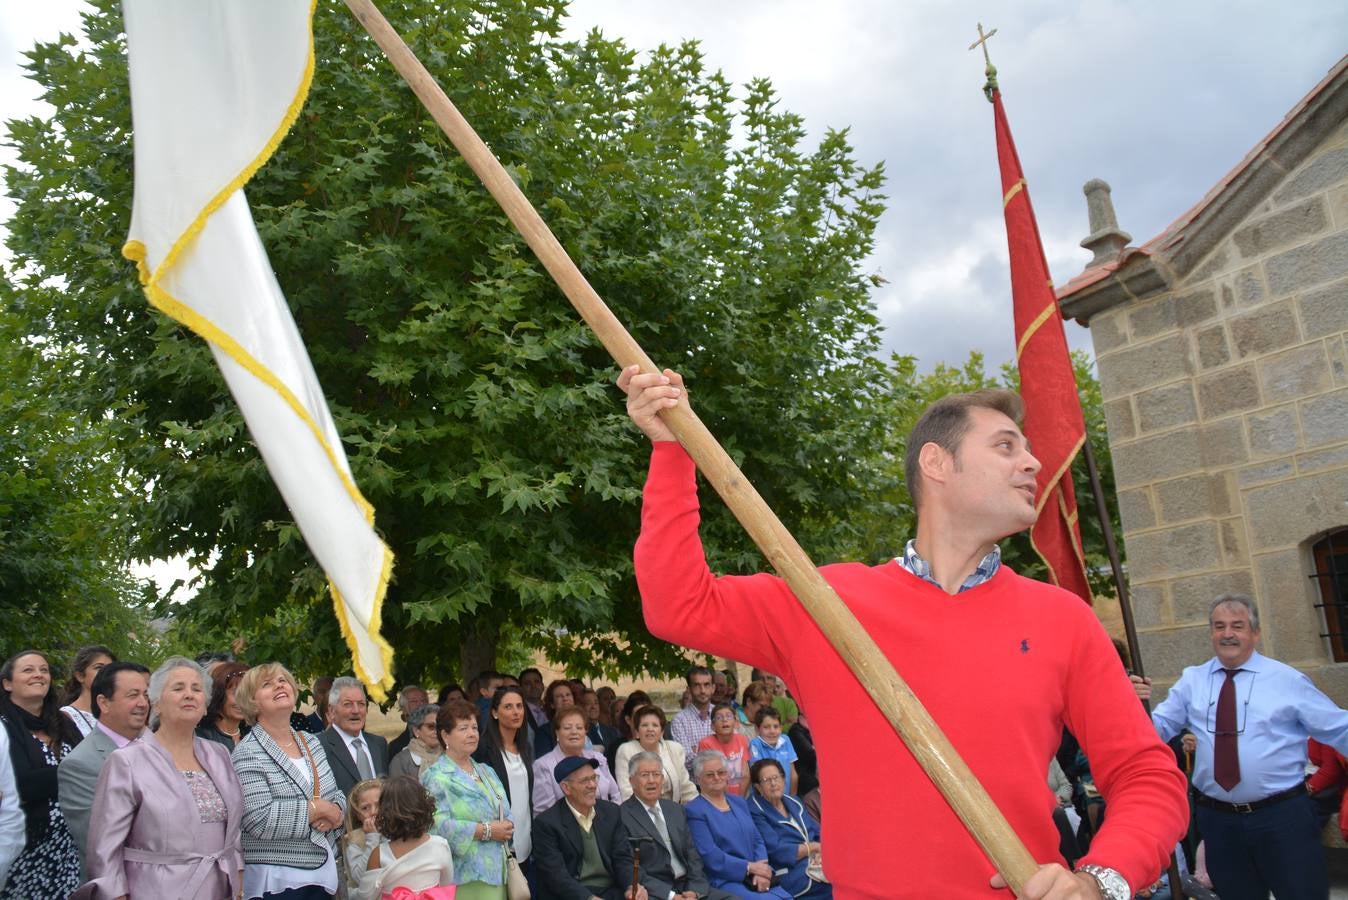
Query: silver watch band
x=1113, y=886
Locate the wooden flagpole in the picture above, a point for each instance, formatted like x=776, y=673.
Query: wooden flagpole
x=891, y=694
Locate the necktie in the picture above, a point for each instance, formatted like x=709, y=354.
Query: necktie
x=363, y=765
x=658, y=816
x=1226, y=761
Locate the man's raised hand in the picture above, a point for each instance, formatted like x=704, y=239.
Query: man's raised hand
x=647, y=395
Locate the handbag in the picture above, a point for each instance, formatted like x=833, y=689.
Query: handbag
x=814, y=869
x=517, y=886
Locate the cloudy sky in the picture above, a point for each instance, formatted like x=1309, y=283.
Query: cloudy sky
x=1159, y=99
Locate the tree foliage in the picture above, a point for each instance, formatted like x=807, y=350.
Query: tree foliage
x=477, y=410
x=64, y=533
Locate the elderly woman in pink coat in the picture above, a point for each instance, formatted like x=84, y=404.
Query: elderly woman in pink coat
x=165, y=821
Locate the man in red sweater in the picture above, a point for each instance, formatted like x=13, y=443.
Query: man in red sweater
x=1000, y=661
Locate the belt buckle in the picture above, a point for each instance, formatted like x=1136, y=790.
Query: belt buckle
x=1243, y=807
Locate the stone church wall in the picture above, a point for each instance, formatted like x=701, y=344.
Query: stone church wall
x=1227, y=406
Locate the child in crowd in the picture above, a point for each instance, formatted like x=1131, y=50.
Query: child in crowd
x=408, y=856
x=361, y=835
x=770, y=743
x=726, y=737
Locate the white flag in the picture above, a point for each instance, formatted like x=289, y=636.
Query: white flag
x=215, y=86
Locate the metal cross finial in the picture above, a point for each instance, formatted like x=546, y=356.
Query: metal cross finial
x=991, y=70
x=983, y=41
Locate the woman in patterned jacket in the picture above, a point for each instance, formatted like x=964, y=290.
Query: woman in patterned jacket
x=471, y=810
x=292, y=806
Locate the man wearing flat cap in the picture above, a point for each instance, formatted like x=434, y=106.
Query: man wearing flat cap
x=581, y=847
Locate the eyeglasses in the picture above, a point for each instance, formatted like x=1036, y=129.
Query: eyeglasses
x=713, y=773
x=771, y=779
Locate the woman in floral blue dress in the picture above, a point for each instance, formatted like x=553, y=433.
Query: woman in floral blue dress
x=471, y=810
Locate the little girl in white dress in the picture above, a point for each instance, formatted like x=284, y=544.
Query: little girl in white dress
x=409, y=863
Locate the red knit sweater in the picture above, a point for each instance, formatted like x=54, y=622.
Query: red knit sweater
x=1001, y=667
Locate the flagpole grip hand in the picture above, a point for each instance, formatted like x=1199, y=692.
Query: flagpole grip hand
x=648, y=395
x=1053, y=881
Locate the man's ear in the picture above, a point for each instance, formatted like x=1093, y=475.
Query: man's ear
x=934, y=463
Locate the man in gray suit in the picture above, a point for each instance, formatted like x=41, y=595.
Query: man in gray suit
x=354, y=754
x=120, y=697
x=670, y=866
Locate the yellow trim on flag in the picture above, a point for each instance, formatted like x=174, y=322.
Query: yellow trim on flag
x=1012, y=192
x=1039, y=507
x=1073, y=532
x=212, y=333
x=1057, y=476
x=1038, y=323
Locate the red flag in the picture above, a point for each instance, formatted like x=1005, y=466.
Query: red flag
x=1053, y=421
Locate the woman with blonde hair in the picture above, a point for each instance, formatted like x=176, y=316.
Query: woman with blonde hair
x=293, y=808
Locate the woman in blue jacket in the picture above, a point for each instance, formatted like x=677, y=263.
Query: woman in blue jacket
x=789, y=832
x=733, y=854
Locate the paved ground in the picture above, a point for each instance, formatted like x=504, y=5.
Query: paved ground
x=1338, y=873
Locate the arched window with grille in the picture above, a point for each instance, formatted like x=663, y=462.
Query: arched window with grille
x=1330, y=557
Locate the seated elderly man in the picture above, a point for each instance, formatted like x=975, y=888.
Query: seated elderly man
x=581, y=848
x=670, y=864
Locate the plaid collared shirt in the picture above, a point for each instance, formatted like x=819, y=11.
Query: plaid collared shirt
x=916, y=565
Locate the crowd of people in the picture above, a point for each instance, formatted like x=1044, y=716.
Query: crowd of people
x=203, y=779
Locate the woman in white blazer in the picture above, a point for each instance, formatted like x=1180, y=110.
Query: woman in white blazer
x=648, y=724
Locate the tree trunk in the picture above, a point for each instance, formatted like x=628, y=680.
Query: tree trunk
x=478, y=650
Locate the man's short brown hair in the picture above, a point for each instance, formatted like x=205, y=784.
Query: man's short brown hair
x=945, y=423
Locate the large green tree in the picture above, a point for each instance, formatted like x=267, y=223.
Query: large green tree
x=477, y=411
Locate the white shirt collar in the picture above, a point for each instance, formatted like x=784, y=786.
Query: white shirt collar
x=351, y=739
x=1254, y=664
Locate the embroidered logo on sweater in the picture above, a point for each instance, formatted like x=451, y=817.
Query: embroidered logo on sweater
x=1024, y=645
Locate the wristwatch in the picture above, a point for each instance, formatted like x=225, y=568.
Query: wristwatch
x=1113, y=886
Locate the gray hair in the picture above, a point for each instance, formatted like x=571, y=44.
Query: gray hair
x=426, y=711
x=346, y=682
x=703, y=757
x=645, y=756
x=1236, y=600
x=161, y=676
x=402, y=695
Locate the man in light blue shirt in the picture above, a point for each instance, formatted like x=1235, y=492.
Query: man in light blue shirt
x=1251, y=716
